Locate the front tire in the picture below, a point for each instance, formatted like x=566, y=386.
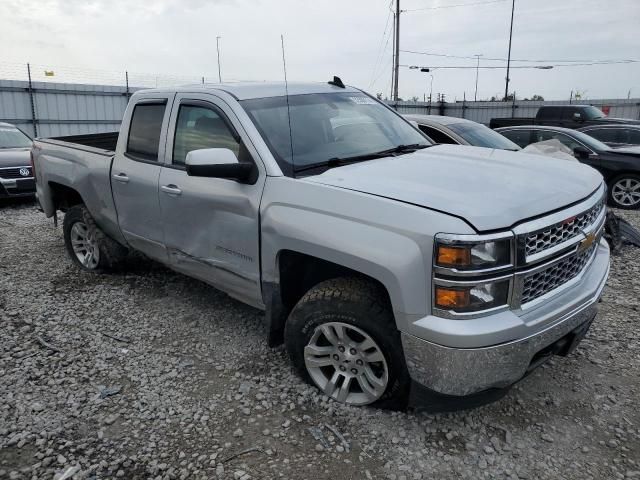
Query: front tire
x=624, y=192
x=87, y=245
x=341, y=337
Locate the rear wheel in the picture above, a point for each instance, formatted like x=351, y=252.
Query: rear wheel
x=341, y=337
x=624, y=192
x=87, y=245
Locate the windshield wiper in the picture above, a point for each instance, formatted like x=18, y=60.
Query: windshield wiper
x=341, y=161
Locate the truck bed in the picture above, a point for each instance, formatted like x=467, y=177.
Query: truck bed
x=511, y=122
x=83, y=166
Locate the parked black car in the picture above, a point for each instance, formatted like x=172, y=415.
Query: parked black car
x=16, y=173
x=620, y=167
x=569, y=116
x=614, y=135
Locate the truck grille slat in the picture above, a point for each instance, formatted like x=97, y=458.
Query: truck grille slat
x=553, y=235
x=540, y=283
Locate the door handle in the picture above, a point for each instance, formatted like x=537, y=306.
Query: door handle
x=171, y=189
x=121, y=177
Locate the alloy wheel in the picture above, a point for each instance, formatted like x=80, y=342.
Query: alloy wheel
x=85, y=246
x=346, y=364
x=626, y=192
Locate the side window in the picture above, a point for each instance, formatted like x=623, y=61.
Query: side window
x=200, y=127
x=549, y=113
x=631, y=136
x=604, y=134
x=522, y=138
x=567, y=113
x=567, y=141
x=436, y=135
x=144, y=131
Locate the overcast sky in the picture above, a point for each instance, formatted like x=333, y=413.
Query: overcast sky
x=175, y=40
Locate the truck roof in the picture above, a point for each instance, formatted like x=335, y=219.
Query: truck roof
x=248, y=90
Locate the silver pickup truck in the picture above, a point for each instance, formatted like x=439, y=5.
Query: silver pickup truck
x=385, y=264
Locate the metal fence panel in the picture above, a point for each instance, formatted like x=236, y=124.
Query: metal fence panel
x=71, y=109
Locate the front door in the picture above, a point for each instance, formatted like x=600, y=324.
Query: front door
x=211, y=225
x=135, y=174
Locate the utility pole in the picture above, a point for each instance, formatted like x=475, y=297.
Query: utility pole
x=396, y=66
x=475, y=96
x=218, y=48
x=393, y=57
x=506, y=86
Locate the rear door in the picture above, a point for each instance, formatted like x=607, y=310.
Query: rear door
x=211, y=225
x=135, y=173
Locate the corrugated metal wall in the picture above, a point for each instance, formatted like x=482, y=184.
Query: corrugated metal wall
x=483, y=112
x=62, y=109
x=71, y=109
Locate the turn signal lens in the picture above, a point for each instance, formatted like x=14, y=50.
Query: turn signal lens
x=454, y=256
x=451, y=299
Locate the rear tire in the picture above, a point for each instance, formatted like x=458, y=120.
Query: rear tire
x=624, y=192
x=88, y=246
x=341, y=337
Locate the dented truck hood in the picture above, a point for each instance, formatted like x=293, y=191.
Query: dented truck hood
x=490, y=189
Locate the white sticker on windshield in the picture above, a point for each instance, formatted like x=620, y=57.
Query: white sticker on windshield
x=362, y=100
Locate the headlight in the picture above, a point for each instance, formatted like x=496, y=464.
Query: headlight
x=472, y=255
x=472, y=274
x=472, y=298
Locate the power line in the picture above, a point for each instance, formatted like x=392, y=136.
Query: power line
x=381, y=49
x=439, y=7
x=541, y=67
x=430, y=54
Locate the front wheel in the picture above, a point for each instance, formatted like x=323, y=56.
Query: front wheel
x=87, y=245
x=341, y=337
x=624, y=192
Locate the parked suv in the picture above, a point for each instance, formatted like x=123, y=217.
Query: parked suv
x=386, y=265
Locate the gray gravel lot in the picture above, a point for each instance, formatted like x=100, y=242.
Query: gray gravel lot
x=149, y=374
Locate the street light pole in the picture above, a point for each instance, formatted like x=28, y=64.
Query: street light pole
x=218, y=48
x=475, y=96
x=431, y=90
x=506, y=87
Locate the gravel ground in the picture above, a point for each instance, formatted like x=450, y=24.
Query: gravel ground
x=149, y=374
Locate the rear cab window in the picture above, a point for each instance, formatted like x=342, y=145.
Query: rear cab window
x=549, y=113
x=145, y=130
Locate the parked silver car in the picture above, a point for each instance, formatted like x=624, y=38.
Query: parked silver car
x=16, y=174
x=460, y=131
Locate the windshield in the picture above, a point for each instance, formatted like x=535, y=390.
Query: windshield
x=591, y=113
x=328, y=126
x=11, y=137
x=589, y=141
x=481, y=136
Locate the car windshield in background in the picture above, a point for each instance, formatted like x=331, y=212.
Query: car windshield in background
x=13, y=138
x=592, y=113
x=481, y=136
x=328, y=126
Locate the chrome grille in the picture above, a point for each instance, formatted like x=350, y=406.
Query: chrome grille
x=14, y=172
x=558, y=233
x=540, y=283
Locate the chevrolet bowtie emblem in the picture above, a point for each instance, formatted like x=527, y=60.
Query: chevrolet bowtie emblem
x=590, y=238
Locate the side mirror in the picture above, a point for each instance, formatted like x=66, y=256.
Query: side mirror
x=581, y=152
x=218, y=163
x=577, y=117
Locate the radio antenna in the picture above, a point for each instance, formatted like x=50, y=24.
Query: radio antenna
x=286, y=90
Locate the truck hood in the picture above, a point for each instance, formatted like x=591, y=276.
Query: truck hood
x=490, y=189
x=14, y=157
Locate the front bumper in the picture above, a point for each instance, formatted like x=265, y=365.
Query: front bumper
x=20, y=187
x=465, y=371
